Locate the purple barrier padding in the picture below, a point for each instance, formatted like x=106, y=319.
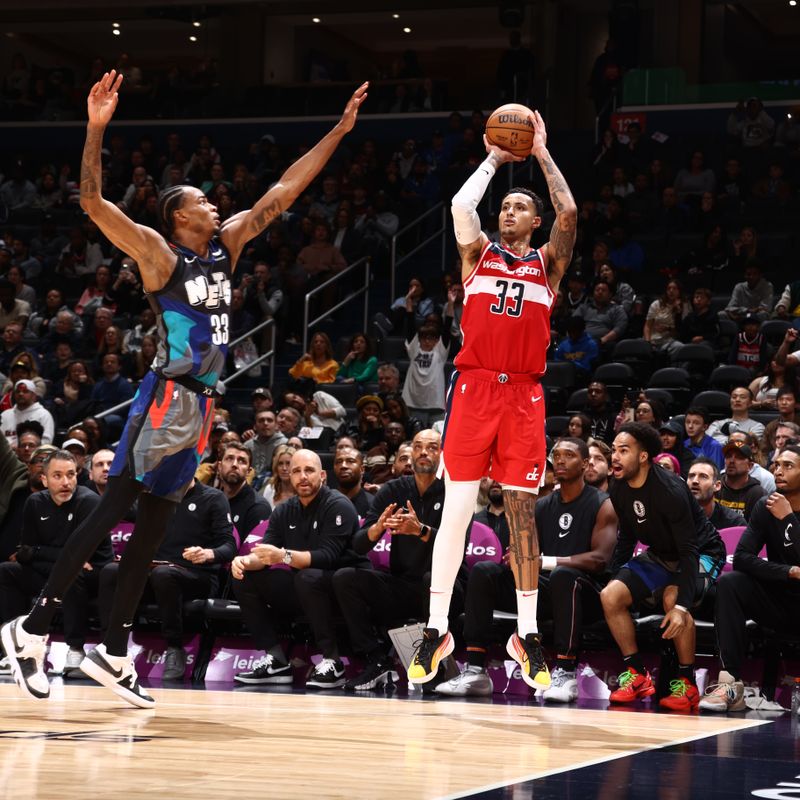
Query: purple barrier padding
x=380, y=554
x=149, y=651
x=237, y=539
x=483, y=545
x=119, y=537
x=253, y=538
x=731, y=538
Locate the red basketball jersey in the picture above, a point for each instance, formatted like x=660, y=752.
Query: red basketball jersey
x=506, y=318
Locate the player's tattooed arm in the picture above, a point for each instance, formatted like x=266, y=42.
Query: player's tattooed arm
x=523, y=538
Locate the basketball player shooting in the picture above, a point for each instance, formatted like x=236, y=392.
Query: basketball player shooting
x=495, y=408
x=187, y=277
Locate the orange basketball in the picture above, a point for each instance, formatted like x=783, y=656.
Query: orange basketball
x=510, y=128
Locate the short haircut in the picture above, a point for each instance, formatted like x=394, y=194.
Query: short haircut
x=792, y=426
x=704, y=291
x=583, y=448
x=59, y=455
x=601, y=446
x=387, y=367
x=698, y=411
x=535, y=199
x=786, y=389
x=707, y=461
x=30, y=426
x=646, y=437
x=170, y=201
x=429, y=330
x=792, y=448
x=746, y=388
x=238, y=446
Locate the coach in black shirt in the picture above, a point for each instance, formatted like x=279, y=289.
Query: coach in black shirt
x=49, y=517
x=186, y=567
x=411, y=509
x=309, y=537
x=765, y=591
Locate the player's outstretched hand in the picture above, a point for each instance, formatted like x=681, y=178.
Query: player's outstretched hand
x=103, y=98
x=539, y=133
x=502, y=156
x=353, y=104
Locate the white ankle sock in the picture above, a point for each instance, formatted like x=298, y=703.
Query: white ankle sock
x=526, y=612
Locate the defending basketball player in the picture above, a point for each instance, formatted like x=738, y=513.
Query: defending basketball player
x=495, y=406
x=187, y=277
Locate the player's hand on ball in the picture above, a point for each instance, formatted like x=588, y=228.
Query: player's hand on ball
x=501, y=156
x=539, y=133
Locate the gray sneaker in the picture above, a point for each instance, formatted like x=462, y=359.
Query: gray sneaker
x=174, y=664
x=563, y=687
x=727, y=695
x=72, y=664
x=472, y=682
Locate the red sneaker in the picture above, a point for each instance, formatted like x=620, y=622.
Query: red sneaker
x=632, y=686
x=683, y=696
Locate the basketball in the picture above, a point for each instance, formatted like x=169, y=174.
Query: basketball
x=510, y=128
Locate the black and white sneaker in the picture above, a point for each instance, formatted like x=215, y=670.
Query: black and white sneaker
x=5, y=667
x=25, y=653
x=328, y=674
x=267, y=670
x=123, y=681
x=376, y=673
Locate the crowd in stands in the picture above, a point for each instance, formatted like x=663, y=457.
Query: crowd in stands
x=675, y=313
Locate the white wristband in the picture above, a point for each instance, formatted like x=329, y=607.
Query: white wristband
x=549, y=562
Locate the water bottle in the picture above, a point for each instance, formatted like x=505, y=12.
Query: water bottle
x=796, y=696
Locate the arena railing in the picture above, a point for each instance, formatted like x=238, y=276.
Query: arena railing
x=269, y=355
x=395, y=262
x=364, y=262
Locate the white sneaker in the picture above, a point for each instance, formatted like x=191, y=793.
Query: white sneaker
x=122, y=680
x=472, y=682
x=563, y=686
x=25, y=653
x=72, y=664
x=726, y=695
x=5, y=667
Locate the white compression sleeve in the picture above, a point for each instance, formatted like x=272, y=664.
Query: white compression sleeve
x=466, y=222
x=448, y=549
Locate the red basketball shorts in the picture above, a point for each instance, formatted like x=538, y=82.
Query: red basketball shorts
x=495, y=426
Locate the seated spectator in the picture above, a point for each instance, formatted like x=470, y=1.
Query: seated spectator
x=605, y=320
x=142, y=358
x=311, y=534
x=578, y=427
x=579, y=349
x=750, y=124
x=98, y=293
x=348, y=467
x=359, y=365
x=599, y=412
x=369, y=428
x=420, y=303
x=692, y=181
x=12, y=309
x=146, y=326
x=262, y=445
x=701, y=323
x=26, y=407
x=49, y=517
x=575, y=294
x=788, y=305
x=764, y=590
x=767, y=387
x=72, y=396
x=112, y=344
x=621, y=293
x=427, y=353
x=786, y=433
x=94, y=334
x=741, y=401
x=319, y=409
x=111, y=390
x=388, y=380
x=599, y=465
x=396, y=410
x=698, y=442
x=43, y=321
x=379, y=460
x=78, y=450
x=753, y=296
x=668, y=462
x=29, y=438
x=703, y=481
x=738, y=490
x=63, y=330
x=749, y=348
x=186, y=566
x=786, y=406
x=318, y=363
x=578, y=528
x=12, y=347
x=672, y=435
x=278, y=488
x=410, y=508
x=22, y=291
x=288, y=421
x=664, y=317
x=23, y=367
x=757, y=471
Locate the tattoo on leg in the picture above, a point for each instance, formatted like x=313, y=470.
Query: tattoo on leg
x=523, y=539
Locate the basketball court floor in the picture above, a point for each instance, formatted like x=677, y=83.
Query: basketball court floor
x=249, y=743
